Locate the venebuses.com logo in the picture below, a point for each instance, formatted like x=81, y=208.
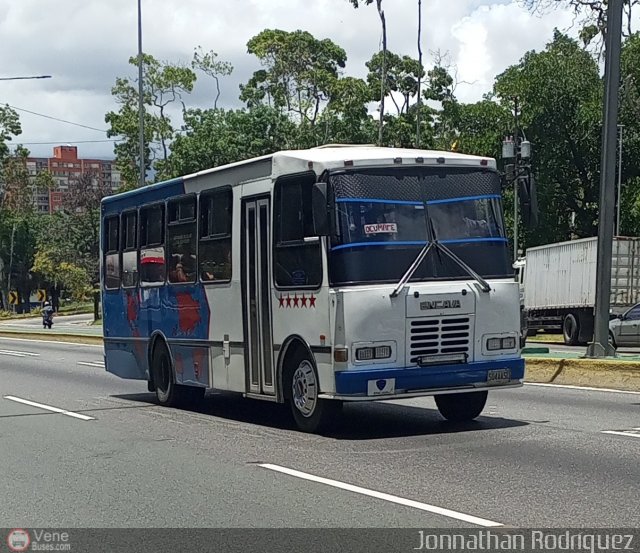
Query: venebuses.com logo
x=18, y=540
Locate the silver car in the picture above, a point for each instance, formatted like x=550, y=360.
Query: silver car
x=625, y=329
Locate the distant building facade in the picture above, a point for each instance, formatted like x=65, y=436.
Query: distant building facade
x=66, y=167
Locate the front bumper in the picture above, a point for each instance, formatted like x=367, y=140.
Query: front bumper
x=422, y=381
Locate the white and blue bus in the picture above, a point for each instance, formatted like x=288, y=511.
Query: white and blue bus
x=313, y=278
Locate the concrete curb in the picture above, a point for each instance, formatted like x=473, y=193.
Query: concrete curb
x=53, y=337
x=615, y=374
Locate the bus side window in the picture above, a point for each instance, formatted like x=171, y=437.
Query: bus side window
x=214, y=244
x=152, y=266
x=129, y=249
x=298, y=264
x=112, y=253
x=181, y=240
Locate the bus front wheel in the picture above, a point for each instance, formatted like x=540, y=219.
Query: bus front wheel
x=302, y=387
x=461, y=407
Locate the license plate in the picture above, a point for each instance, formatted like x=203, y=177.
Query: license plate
x=498, y=376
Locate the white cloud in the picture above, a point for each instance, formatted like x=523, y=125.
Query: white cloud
x=85, y=44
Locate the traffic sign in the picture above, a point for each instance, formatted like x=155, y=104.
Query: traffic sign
x=13, y=298
x=42, y=295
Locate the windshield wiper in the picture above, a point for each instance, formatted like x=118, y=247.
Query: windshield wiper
x=439, y=247
x=412, y=268
x=486, y=287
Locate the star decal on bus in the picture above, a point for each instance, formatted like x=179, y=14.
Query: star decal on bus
x=296, y=301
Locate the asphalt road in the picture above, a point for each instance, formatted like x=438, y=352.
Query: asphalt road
x=540, y=456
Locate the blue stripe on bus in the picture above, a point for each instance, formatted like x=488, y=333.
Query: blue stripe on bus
x=464, y=240
x=354, y=382
x=398, y=243
x=465, y=198
x=376, y=201
x=415, y=242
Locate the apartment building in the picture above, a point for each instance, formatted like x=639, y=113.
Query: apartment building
x=66, y=167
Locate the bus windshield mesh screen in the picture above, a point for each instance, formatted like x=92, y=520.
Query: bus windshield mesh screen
x=383, y=217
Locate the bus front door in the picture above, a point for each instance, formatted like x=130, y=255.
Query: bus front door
x=256, y=291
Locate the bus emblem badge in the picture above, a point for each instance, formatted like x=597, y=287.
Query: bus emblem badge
x=440, y=304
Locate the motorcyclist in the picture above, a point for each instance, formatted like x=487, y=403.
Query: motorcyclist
x=47, y=315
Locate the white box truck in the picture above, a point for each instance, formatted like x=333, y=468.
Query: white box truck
x=560, y=285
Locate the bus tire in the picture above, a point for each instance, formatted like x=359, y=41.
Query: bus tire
x=167, y=392
x=301, y=387
x=461, y=407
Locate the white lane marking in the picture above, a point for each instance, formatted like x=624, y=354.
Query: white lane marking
x=583, y=388
x=384, y=496
x=627, y=433
x=50, y=408
x=18, y=353
x=55, y=341
x=91, y=364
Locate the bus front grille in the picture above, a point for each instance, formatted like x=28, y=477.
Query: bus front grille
x=439, y=336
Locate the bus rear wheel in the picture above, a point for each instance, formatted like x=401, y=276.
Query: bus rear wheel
x=461, y=407
x=301, y=385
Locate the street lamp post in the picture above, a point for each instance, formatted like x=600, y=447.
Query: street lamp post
x=140, y=97
x=601, y=346
x=517, y=151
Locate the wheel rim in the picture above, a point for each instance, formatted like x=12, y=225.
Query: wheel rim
x=304, y=389
x=569, y=327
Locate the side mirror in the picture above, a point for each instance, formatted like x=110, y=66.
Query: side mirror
x=528, y=196
x=320, y=209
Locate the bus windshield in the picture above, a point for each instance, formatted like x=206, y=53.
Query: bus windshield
x=383, y=218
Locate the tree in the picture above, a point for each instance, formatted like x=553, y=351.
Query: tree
x=9, y=128
x=402, y=76
x=164, y=84
x=346, y=120
x=215, y=137
x=593, y=14
x=68, y=247
x=383, y=79
x=559, y=91
x=299, y=73
x=210, y=65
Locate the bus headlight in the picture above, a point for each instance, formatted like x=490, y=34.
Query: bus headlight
x=500, y=343
x=364, y=354
x=373, y=351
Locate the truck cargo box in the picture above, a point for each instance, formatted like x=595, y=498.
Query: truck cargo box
x=563, y=275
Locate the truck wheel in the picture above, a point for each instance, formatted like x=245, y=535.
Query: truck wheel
x=570, y=330
x=301, y=388
x=461, y=407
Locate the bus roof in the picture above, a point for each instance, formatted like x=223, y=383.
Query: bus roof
x=319, y=159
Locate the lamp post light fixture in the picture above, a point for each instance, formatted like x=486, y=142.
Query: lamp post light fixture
x=516, y=152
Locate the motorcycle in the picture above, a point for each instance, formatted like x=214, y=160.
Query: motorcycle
x=47, y=319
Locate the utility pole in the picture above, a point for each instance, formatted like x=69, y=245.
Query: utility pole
x=419, y=108
x=140, y=96
x=620, y=128
x=516, y=134
x=600, y=346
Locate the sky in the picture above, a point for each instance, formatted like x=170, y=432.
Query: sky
x=85, y=44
